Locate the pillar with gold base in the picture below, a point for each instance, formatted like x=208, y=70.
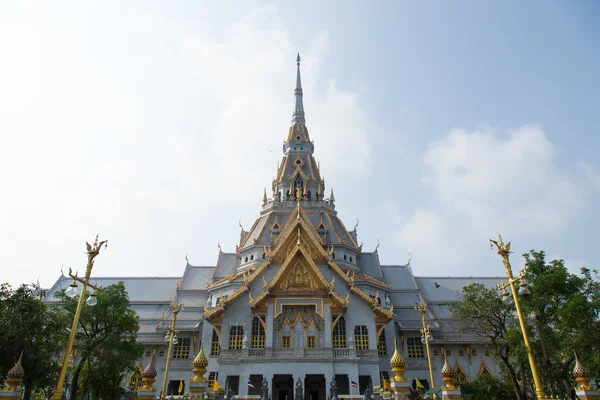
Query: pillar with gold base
x=14, y=378
x=147, y=391
x=400, y=384
x=584, y=390
x=449, y=390
x=199, y=383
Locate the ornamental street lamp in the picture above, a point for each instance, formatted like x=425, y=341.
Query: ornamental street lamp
x=72, y=291
x=504, y=251
x=171, y=336
x=426, y=336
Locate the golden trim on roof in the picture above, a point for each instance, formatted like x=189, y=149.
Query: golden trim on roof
x=248, y=234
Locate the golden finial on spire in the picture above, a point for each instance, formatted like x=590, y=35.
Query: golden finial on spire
x=200, y=364
x=398, y=364
x=582, y=375
x=448, y=374
x=298, y=242
x=331, y=196
x=265, y=197
x=15, y=376
x=149, y=375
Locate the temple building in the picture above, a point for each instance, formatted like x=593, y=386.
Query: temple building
x=300, y=300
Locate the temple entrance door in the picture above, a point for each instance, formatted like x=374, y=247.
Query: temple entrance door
x=283, y=386
x=314, y=387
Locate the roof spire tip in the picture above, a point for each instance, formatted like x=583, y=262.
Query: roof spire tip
x=298, y=59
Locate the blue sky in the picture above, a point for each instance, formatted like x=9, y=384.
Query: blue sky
x=438, y=124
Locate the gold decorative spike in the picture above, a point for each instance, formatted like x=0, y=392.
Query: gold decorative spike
x=200, y=364
x=582, y=375
x=149, y=375
x=448, y=375
x=265, y=197
x=15, y=376
x=398, y=365
x=376, y=247
x=331, y=196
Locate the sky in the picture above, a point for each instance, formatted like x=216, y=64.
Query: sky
x=157, y=125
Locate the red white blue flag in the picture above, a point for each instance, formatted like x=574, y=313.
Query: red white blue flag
x=353, y=383
x=250, y=385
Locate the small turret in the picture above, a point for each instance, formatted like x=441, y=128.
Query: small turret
x=15, y=375
x=398, y=364
x=448, y=374
x=148, y=378
x=582, y=375
x=200, y=364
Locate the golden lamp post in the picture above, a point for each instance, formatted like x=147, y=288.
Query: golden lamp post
x=171, y=336
x=504, y=251
x=92, y=252
x=426, y=337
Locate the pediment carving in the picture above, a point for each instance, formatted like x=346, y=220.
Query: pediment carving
x=299, y=277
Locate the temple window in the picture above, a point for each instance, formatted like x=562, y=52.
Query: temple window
x=213, y=376
x=251, y=257
x=182, y=348
x=339, y=334
x=285, y=342
x=345, y=257
x=381, y=345
x=361, y=337
x=350, y=258
x=311, y=342
x=236, y=337
x=461, y=376
x=384, y=376
x=148, y=353
x=246, y=259
x=474, y=353
x=461, y=353
x=435, y=353
x=258, y=334
x=215, y=346
x=448, y=353
x=415, y=347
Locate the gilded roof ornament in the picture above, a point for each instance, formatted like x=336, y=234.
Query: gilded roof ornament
x=448, y=374
x=582, y=375
x=200, y=364
x=398, y=364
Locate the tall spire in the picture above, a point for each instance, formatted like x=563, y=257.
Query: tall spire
x=298, y=116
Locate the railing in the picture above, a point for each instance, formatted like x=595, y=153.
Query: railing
x=341, y=352
x=318, y=354
x=256, y=353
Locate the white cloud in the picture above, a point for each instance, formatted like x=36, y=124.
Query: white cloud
x=591, y=173
x=158, y=133
x=485, y=182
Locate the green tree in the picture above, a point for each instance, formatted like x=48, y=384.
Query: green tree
x=105, y=341
x=26, y=325
x=481, y=314
x=491, y=388
x=562, y=313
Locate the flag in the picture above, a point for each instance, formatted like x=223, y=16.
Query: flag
x=180, y=387
x=386, y=385
x=216, y=386
x=250, y=385
x=353, y=383
x=419, y=384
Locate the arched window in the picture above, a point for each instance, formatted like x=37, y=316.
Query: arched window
x=246, y=259
x=258, y=334
x=251, y=257
x=345, y=257
x=339, y=334
x=461, y=353
x=474, y=353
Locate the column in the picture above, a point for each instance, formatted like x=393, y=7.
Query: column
x=327, y=334
x=269, y=322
